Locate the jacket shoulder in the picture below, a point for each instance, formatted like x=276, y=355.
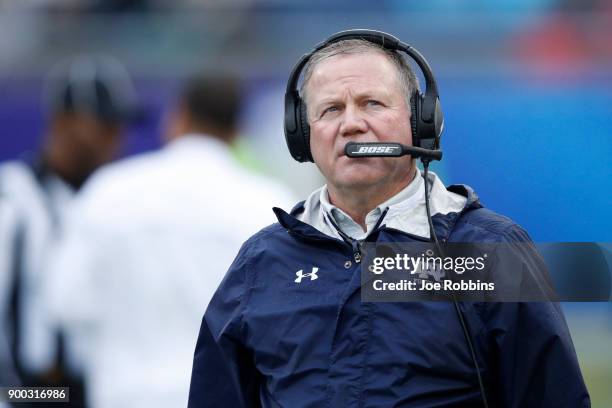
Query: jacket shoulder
x=264, y=237
x=14, y=175
x=236, y=286
x=490, y=225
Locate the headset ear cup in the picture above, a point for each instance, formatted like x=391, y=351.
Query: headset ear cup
x=414, y=101
x=293, y=130
x=429, y=127
x=439, y=123
x=304, y=130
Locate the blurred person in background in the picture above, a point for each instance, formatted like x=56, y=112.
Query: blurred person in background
x=8, y=375
x=147, y=244
x=88, y=100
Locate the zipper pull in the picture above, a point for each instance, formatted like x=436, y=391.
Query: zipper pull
x=356, y=251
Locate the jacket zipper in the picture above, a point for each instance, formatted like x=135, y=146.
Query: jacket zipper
x=356, y=245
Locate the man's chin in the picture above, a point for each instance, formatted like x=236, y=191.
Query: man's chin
x=363, y=174
x=357, y=180
x=360, y=168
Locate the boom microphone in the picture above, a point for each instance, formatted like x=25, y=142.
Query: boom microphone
x=375, y=149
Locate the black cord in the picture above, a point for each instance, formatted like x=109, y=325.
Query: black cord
x=434, y=238
x=350, y=240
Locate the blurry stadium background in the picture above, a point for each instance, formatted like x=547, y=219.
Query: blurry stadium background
x=526, y=87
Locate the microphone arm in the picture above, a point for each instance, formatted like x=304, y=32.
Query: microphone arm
x=375, y=149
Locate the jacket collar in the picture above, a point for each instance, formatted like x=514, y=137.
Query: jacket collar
x=447, y=205
x=291, y=223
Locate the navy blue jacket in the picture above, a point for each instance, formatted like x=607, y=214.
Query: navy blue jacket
x=266, y=341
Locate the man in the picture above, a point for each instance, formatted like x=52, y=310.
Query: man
x=88, y=99
x=287, y=326
x=8, y=376
x=148, y=243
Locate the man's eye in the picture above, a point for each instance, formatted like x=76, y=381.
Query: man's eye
x=329, y=110
x=373, y=102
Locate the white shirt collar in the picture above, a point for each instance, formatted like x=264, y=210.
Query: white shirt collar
x=353, y=229
x=406, y=212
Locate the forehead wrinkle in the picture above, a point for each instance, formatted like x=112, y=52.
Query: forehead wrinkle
x=348, y=93
x=377, y=82
x=350, y=85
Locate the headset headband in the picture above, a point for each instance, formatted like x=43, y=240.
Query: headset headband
x=386, y=41
x=427, y=120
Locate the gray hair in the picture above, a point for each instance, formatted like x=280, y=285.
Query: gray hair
x=407, y=78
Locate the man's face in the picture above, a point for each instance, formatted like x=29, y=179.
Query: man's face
x=85, y=143
x=357, y=98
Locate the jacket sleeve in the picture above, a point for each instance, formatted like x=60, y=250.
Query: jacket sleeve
x=224, y=373
x=534, y=363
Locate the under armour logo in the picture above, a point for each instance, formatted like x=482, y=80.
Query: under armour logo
x=300, y=274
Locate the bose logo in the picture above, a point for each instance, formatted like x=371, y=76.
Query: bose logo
x=300, y=275
x=377, y=149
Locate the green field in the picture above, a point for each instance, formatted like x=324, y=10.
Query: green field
x=591, y=328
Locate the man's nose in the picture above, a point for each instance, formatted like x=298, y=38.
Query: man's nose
x=352, y=122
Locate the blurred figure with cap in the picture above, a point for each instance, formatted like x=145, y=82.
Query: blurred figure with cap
x=88, y=100
x=147, y=244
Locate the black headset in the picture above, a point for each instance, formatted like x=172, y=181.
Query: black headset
x=427, y=120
